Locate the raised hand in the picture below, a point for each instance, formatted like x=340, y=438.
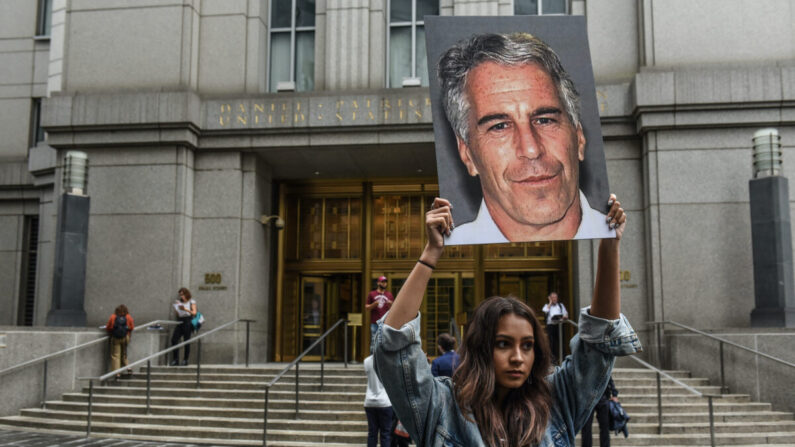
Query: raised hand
x=616, y=217
x=439, y=222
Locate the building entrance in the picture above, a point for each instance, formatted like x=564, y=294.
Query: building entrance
x=339, y=237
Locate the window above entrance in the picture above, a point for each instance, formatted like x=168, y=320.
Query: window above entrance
x=324, y=228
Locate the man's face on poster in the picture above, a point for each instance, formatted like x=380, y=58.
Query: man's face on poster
x=522, y=144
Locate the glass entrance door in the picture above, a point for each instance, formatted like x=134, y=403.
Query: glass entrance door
x=324, y=300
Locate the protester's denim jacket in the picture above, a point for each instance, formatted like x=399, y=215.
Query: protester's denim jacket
x=426, y=405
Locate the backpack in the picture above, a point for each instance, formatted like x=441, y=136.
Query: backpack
x=197, y=321
x=120, y=327
x=618, y=418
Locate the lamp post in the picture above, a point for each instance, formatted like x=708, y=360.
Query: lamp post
x=71, y=243
x=774, y=286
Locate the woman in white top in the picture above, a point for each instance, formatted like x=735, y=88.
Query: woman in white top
x=556, y=313
x=185, y=308
x=377, y=407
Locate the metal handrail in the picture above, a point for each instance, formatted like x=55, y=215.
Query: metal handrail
x=723, y=340
x=660, y=373
x=197, y=339
x=46, y=358
x=74, y=348
x=295, y=363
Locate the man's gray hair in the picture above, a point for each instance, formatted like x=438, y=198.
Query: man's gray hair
x=505, y=49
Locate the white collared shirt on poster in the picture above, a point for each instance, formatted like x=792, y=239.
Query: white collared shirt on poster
x=483, y=230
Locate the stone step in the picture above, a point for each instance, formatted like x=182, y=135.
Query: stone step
x=703, y=407
x=108, y=439
x=207, y=435
x=228, y=394
x=679, y=398
x=622, y=382
x=178, y=401
x=703, y=427
x=361, y=425
x=310, y=369
x=333, y=387
x=248, y=378
x=356, y=369
x=254, y=423
x=184, y=411
x=339, y=383
x=721, y=439
x=672, y=395
x=750, y=412
x=735, y=416
x=664, y=389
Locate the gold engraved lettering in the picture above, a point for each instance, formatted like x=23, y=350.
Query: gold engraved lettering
x=368, y=103
x=273, y=107
x=428, y=101
x=400, y=102
x=400, y=114
x=259, y=108
x=225, y=109
x=411, y=103
x=602, y=99
x=256, y=119
x=370, y=115
x=355, y=104
x=242, y=120
x=242, y=107
x=353, y=116
x=270, y=118
x=386, y=106
x=298, y=118
x=284, y=118
x=298, y=107
x=339, y=117
x=418, y=113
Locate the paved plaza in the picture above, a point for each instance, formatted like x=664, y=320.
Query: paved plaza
x=32, y=439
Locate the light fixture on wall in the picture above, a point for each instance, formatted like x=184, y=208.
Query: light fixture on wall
x=75, y=173
x=767, y=153
x=278, y=222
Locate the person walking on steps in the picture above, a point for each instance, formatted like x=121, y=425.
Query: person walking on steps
x=185, y=309
x=602, y=411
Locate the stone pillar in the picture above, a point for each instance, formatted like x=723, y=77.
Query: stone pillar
x=772, y=251
x=69, y=279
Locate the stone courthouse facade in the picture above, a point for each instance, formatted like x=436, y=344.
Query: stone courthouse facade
x=199, y=117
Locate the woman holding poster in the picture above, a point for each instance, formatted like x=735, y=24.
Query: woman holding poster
x=504, y=393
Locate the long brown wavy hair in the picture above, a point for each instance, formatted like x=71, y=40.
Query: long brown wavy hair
x=522, y=418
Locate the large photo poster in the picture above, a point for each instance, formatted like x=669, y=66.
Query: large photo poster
x=519, y=148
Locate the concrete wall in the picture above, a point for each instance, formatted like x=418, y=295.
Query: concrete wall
x=686, y=33
x=22, y=345
x=613, y=39
x=763, y=379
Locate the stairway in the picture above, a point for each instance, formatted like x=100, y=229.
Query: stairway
x=227, y=410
